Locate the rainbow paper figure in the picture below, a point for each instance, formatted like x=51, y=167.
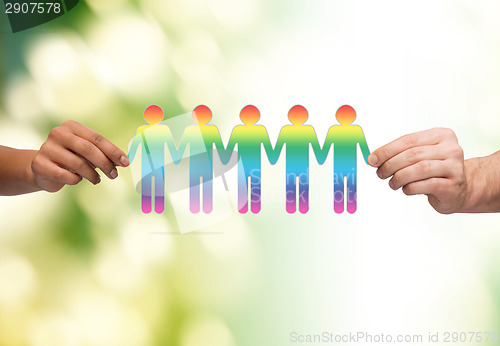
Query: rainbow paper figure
x=152, y=138
x=249, y=138
x=201, y=139
x=297, y=138
x=345, y=138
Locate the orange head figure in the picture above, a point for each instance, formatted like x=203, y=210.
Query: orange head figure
x=346, y=115
x=153, y=115
x=249, y=115
x=298, y=115
x=202, y=115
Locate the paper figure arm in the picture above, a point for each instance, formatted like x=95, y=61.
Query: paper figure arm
x=273, y=154
x=313, y=139
x=363, y=145
x=182, y=147
x=323, y=154
x=226, y=154
x=268, y=147
x=219, y=145
x=135, y=144
x=172, y=148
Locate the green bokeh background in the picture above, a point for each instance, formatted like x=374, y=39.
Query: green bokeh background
x=86, y=267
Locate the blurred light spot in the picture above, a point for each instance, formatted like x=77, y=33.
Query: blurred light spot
x=117, y=273
x=134, y=52
x=179, y=15
x=16, y=225
x=195, y=61
x=17, y=136
x=206, y=88
x=244, y=73
x=54, y=58
x=60, y=66
x=143, y=242
x=51, y=329
x=235, y=243
x=18, y=280
x=100, y=6
x=103, y=321
x=98, y=207
x=13, y=209
x=207, y=331
x=23, y=99
x=235, y=14
x=196, y=46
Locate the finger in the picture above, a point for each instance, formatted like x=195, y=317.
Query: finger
x=92, y=154
x=431, y=186
x=111, y=151
x=420, y=171
x=75, y=164
x=410, y=157
x=53, y=172
x=422, y=138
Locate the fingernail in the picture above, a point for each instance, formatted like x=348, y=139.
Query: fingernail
x=124, y=161
x=372, y=159
x=113, y=174
x=379, y=173
x=391, y=184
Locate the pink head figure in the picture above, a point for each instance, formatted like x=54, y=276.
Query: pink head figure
x=202, y=115
x=250, y=115
x=346, y=115
x=298, y=115
x=153, y=115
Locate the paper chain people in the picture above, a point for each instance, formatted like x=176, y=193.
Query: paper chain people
x=249, y=137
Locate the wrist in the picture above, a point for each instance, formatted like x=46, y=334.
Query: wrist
x=474, y=185
x=29, y=175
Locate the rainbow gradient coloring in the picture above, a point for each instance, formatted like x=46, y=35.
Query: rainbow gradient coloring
x=345, y=139
x=201, y=140
x=153, y=138
x=297, y=138
x=249, y=138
